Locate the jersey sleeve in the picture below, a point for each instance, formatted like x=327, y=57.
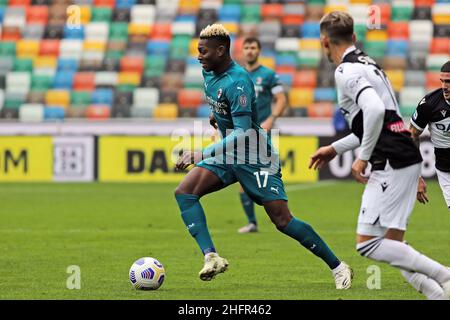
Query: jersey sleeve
x=275, y=84
x=422, y=115
x=239, y=95
x=351, y=82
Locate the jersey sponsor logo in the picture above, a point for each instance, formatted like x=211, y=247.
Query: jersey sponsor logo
x=445, y=128
x=218, y=107
x=398, y=126
x=243, y=100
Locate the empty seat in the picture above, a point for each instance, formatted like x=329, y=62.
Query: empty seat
x=49, y=47
x=145, y=98
x=63, y=80
x=98, y=112
x=305, y=78
x=143, y=14
x=165, y=111
x=132, y=64
x=420, y=30
x=301, y=97
x=188, y=98
x=287, y=44
x=411, y=96
x=31, y=112
x=37, y=15
x=54, y=113
x=102, y=96
x=84, y=81
x=440, y=45
x=321, y=110
x=57, y=98
x=325, y=94
x=105, y=78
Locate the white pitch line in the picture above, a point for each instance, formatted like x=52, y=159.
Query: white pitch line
x=308, y=186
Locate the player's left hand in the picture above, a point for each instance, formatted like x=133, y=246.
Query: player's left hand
x=422, y=191
x=267, y=124
x=358, y=170
x=188, y=158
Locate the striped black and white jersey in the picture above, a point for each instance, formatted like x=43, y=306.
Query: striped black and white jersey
x=433, y=110
x=353, y=76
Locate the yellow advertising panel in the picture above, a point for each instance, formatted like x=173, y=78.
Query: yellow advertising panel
x=151, y=159
x=26, y=159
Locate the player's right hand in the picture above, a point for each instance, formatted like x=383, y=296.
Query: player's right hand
x=422, y=191
x=188, y=158
x=321, y=157
x=212, y=121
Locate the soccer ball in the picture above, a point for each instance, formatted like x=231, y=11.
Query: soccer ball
x=147, y=274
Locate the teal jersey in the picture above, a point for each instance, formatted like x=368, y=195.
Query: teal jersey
x=232, y=99
x=267, y=84
x=231, y=95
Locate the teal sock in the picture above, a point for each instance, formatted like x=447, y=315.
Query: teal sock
x=249, y=207
x=195, y=220
x=305, y=234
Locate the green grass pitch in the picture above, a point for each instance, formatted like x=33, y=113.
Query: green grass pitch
x=103, y=228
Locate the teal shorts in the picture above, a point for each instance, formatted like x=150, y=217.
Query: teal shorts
x=257, y=182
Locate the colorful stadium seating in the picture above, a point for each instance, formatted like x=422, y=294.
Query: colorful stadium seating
x=138, y=58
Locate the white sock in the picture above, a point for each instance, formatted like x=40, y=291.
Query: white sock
x=403, y=256
x=430, y=288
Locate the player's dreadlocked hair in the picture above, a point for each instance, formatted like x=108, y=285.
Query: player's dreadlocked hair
x=217, y=32
x=446, y=67
x=338, y=26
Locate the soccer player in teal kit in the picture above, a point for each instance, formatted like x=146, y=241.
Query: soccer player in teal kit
x=230, y=93
x=268, y=88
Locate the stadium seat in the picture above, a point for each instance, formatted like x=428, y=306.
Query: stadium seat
x=272, y=11
x=165, y=111
x=397, y=78
x=37, y=15
x=84, y=81
x=145, y=98
x=31, y=112
x=433, y=81
x=305, y=79
x=102, y=97
x=440, y=45
x=434, y=62
x=23, y=64
x=63, y=80
x=57, y=98
x=98, y=112
x=27, y=48
x=410, y=98
x=54, y=113
x=398, y=30
x=49, y=47
x=300, y=97
x=325, y=94
x=321, y=110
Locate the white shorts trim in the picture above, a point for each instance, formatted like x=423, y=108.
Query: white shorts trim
x=444, y=182
x=388, y=200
